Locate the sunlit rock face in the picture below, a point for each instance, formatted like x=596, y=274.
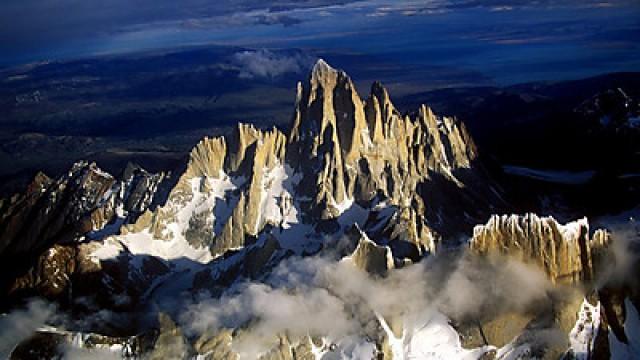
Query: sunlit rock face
x=342, y=154
x=586, y=304
x=369, y=256
x=222, y=201
x=565, y=252
x=350, y=150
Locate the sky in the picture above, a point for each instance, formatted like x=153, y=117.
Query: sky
x=509, y=41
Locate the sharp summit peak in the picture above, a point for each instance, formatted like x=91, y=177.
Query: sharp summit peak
x=321, y=64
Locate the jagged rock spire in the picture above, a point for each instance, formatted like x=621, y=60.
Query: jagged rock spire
x=566, y=253
x=351, y=150
x=342, y=151
x=328, y=107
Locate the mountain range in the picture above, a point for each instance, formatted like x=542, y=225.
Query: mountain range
x=361, y=232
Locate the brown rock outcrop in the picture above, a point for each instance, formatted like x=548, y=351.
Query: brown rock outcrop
x=52, y=273
x=171, y=343
x=43, y=225
x=371, y=257
x=216, y=346
x=564, y=252
x=73, y=206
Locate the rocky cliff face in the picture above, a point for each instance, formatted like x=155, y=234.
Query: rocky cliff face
x=567, y=253
x=78, y=204
x=343, y=205
x=53, y=214
x=220, y=202
x=342, y=155
x=573, y=258
x=354, y=151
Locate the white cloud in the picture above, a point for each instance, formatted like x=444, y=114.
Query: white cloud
x=324, y=297
x=269, y=64
x=20, y=324
x=623, y=257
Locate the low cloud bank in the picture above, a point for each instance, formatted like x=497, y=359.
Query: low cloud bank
x=22, y=323
x=622, y=262
x=321, y=296
x=330, y=297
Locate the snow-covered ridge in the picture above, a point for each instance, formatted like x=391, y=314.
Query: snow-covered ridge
x=253, y=182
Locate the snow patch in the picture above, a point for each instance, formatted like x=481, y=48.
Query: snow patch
x=428, y=336
x=276, y=204
x=344, y=205
x=571, y=231
x=109, y=249
x=583, y=334
x=143, y=243
x=177, y=246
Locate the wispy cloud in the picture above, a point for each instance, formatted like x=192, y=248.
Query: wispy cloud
x=319, y=296
x=270, y=64
x=413, y=7
x=18, y=325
